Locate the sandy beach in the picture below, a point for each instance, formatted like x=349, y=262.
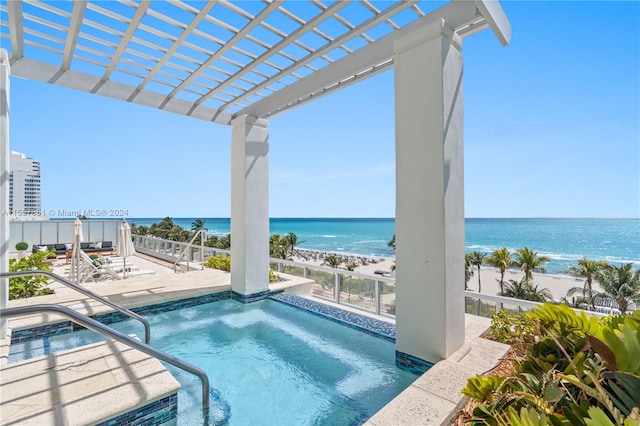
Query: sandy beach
x=558, y=285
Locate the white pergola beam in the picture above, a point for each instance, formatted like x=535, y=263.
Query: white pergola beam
x=496, y=18
x=128, y=35
x=14, y=11
x=72, y=33
x=360, y=29
x=456, y=14
x=190, y=28
x=255, y=21
x=40, y=71
x=275, y=49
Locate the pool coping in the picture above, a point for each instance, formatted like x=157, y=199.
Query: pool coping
x=102, y=383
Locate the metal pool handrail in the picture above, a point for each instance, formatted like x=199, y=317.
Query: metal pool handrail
x=80, y=289
x=98, y=327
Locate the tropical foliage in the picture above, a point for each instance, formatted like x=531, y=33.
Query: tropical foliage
x=529, y=261
x=620, y=284
x=198, y=225
x=576, y=370
x=331, y=261
x=219, y=262
x=392, y=242
x=282, y=247
x=525, y=290
x=223, y=242
x=588, y=270
x=476, y=258
x=32, y=285
x=501, y=259
x=468, y=272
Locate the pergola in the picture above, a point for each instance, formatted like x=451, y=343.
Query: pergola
x=239, y=63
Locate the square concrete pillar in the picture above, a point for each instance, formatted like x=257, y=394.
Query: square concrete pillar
x=249, y=208
x=429, y=195
x=4, y=185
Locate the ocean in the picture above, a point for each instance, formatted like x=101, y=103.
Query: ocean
x=564, y=241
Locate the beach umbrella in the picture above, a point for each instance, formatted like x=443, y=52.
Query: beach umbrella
x=77, y=238
x=125, y=246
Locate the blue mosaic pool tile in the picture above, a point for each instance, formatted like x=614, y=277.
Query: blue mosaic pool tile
x=41, y=331
x=364, y=323
x=411, y=363
x=63, y=327
x=249, y=298
x=154, y=414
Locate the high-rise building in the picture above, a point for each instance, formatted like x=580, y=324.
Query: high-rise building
x=24, y=186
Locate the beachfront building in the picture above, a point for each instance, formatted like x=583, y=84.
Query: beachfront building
x=240, y=63
x=24, y=187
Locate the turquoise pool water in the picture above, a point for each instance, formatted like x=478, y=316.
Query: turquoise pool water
x=268, y=364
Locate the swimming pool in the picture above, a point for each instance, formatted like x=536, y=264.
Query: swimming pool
x=268, y=363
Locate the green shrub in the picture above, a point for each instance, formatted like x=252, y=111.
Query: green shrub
x=95, y=259
x=22, y=246
x=219, y=262
x=518, y=330
x=578, y=370
x=32, y=285
x=273, y=277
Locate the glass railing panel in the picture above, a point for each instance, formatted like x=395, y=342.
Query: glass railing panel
x=324, y=283
x=387, y=299
x=359, y=292
x=479, y=307
x=50, y=233
x=297, y=271
x=31, y=234
x=96, y=231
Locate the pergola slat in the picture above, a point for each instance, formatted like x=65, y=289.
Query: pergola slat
x=257, y=58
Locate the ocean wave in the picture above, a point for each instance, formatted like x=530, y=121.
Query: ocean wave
x=328, y=236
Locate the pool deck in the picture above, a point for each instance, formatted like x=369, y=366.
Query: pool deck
x=433, y=399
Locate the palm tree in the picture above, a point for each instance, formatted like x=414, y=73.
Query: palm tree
x=197, y=225
x=178, y=233
x=621, y=284
x=524, y=290
x=586, y=269
x=468, y=273
x=290, y=241
x=162, y=229
x=501, y=259
x=139, y=229
x=332, y=261
x=277, y=248
x=392, y=242
x=529, y=261
x=477, y=259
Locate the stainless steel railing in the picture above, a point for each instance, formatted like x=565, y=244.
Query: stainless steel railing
x=98, y=327
x=89, y=293
x=187, y=247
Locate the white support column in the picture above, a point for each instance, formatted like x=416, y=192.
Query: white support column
x=429, y=194
x=4, y=185
x=249, y=207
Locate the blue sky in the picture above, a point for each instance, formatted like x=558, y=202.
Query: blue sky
x=552, y=129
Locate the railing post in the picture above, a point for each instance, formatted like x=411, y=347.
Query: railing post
x=337, y=287
x=305, y=272
x=377, y=296
x=279, y=266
